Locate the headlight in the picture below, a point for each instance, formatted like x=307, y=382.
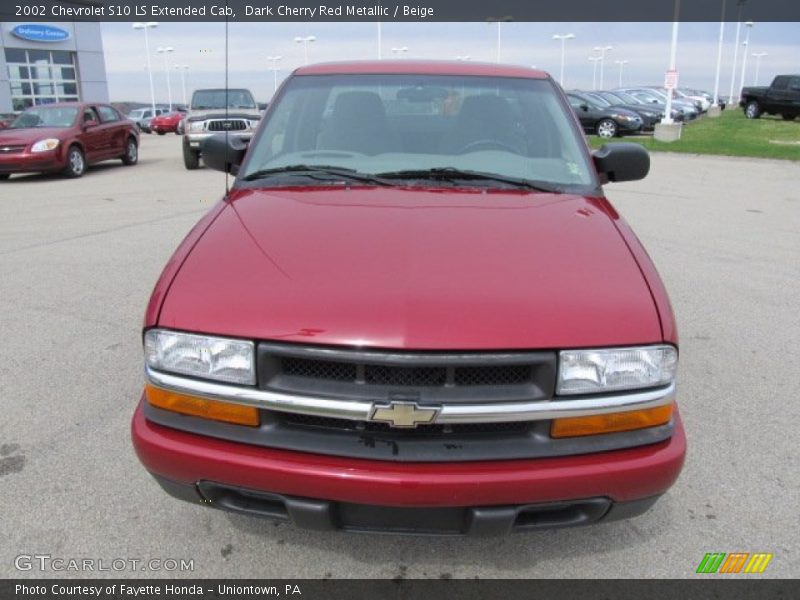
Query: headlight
x=45, y=145
x=606, y=370
x=252, y=124
x=196, y=126
x=203, y=356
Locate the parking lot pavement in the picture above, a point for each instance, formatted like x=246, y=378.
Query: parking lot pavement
x=78, y=259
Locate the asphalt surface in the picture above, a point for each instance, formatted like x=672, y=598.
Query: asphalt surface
x=78, y=259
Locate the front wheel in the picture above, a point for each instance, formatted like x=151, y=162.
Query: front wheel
x=191, y=158
x=131, y=156
x=161, y=132
x=752, y=110
x=76, y=162
x=607, y=129
x=788, y=116
x=4, y=176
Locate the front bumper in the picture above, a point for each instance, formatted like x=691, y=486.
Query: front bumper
x=26, y=162
x=195, y=139
x=187, y=463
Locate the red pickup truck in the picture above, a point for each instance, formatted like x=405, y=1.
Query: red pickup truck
x=415, y=311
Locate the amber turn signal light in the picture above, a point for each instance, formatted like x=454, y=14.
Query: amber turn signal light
x=200, y=407
x=611, y=423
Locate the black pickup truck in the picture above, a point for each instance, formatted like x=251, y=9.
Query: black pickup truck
x=780, y=98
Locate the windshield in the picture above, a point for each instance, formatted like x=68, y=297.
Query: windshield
x=627, y=98
x=598, y=100
x=56, y=116
x=211, y=99
x=410, y=126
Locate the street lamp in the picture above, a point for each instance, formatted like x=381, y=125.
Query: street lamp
x=563, y=37
x=182, y=70
x=165, y=51
x=305, y=41
x=736, y=50
x=715, y=100
x=400, y=51
x=145, y=27
x=380, y=53
x=746, y=44
x=621, y=64
x=274, y=68
x=602, y=50
x=499, y=21
x=595, y=60
x=757, y=56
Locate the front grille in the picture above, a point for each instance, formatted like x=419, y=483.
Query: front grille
x=227, y=125
x=12, y=148
x=425, y=430
x=380, y=375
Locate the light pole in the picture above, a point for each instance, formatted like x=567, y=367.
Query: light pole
x=499, y=21
x=182, y=70
x=621, y=64
x=667, y=130
x=595, y=60
x=758, y=56
x=673, y=53
x=305, y=41
x=145, y=27
x=165, y=51
x=563, y=38
x=746, y=44
x=602, y=50
x=715, y=102
x=736, y=49
x=400, y=51
x=274, y=68
x=380, y=53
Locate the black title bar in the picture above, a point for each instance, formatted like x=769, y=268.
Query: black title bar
x=382, y=10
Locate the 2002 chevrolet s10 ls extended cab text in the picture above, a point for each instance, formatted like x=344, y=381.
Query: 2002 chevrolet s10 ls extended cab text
x=415, y=311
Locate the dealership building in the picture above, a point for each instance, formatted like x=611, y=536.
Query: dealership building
x=41, y=63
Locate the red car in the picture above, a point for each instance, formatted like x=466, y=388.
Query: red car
x=166, y=123
x=66, y=137
x=415, y=311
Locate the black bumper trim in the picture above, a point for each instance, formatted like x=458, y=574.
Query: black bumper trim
x=328, y=515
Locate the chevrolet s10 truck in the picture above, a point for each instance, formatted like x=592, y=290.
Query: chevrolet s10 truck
x=415, y=311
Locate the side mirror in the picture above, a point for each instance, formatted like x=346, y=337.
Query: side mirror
x=622, y=161
x=584, y=107
x=89, y=124
x=262, y=106
x=223, y=152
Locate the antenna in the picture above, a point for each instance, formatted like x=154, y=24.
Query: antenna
x=227, y=130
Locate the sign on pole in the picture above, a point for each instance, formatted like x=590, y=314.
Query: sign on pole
x=671, y=79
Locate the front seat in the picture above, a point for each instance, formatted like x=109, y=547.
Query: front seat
x=358, y=123
x=484, y=118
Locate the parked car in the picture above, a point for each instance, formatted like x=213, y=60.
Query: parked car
x=167, y=122
x=66, y=137
x=782, y=97
x=638, y=104
x=216, y=110
x=689, y=111
x=597, y=116
x=142, y=117
x=414, y=311
x=650, y=116
x=690, y=108
x=6, y=118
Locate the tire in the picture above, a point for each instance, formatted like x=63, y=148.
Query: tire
x=131, y=156
x=607, y=129
x=161, y=132
x=76, y=163
x=4, y=176
x=752, y=110
x=191, y=158
x=788, y=116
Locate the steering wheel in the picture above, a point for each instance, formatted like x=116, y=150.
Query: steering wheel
x=487, y=144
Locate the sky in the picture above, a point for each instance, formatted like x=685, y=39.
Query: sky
x=645, y=46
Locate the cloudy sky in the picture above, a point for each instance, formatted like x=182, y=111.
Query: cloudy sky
x=201, y=46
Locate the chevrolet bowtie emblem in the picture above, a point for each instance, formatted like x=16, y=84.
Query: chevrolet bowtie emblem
x=403, y=414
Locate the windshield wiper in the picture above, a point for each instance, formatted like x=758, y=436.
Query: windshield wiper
x=453, y=174
x=314, y=171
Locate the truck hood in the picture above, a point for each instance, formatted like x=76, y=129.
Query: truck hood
x=414, y=269
x=233, y=113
